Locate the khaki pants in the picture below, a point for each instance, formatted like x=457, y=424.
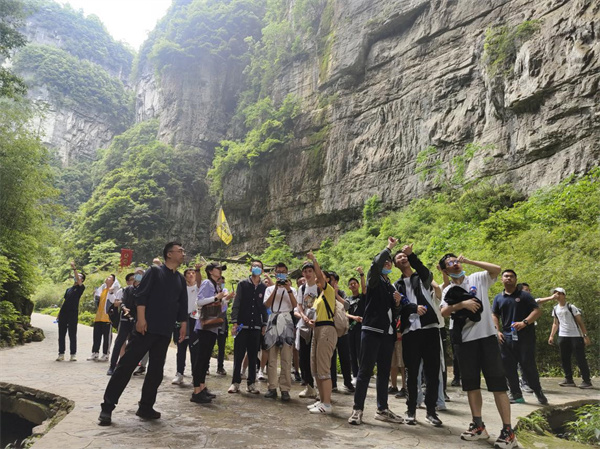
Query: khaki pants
x=323, y=344
x=285, y=376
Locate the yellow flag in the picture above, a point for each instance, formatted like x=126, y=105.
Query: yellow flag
x=223, y=230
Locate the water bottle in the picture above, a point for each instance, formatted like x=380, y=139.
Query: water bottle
x=473, y=291
x=239, y=328
x=513, y=332
x=403, y=300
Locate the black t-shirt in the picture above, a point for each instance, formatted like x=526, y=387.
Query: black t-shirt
x=513, y=308
x=71, y=304
x=357, y=306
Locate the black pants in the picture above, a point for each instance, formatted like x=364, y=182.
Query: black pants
x=304, y=358
x=137, y=347
x=343, y=350
x=125, y=328
x=67, y=324
x=422, y=344
x=521, y=351
x=246, y=341
x=101, y=334
x=375, y=348
x=354, y=343
x=221, y=342
x=202, y=348
x=568, y=346
x=185, y=345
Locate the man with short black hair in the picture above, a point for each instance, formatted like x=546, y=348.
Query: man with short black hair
x=307, y=294
x=68, y=316
x=518, y=310
x=161, y=299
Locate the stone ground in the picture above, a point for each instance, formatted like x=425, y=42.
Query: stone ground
x=231, y=421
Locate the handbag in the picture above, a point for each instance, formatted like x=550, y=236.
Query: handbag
x=210, y=316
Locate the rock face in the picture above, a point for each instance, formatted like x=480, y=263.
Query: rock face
x=403, y=76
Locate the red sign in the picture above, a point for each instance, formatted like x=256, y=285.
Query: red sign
x=126, y=257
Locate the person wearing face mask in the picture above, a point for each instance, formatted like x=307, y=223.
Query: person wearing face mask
x=69, y=316
x=477, y=343
x=281, y=299
x=378, y=337
x=106, y=294
x=249, y=318
x=127, y=318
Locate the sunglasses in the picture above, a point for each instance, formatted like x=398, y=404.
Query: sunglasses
x=451, y=263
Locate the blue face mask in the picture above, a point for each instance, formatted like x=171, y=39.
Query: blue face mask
x=137, y=277
x=256, y=271
x=457, y=275
x=386, y=271
x=281, y=276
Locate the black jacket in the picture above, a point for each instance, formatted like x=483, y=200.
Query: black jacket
x=380, y=297
x=421, y=276
x=248, y=306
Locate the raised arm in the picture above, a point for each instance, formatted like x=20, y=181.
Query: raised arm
x=363, y=283
x=491, y=268
x=76, y=277
x=319, y=274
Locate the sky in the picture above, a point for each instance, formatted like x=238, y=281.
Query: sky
x=126, y=20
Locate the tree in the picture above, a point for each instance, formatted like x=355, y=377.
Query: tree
x=11, y=19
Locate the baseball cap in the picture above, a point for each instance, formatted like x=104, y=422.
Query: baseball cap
x=559, y=290
x=214, y=265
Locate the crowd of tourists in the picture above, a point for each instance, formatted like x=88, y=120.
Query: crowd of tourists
x=289, y=331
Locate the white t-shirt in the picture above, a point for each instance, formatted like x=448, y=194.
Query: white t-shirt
x=280, y=296
x=484, y=328
x=192, y=292
x=567, y=326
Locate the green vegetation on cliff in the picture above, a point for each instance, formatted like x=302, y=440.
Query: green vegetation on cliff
x=502, y=44
x=11, y=19
x=75, y=83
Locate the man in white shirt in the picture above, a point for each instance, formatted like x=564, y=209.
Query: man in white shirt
x=572, y=338
x=306, y=297
x=478, y=350
x=279, y=337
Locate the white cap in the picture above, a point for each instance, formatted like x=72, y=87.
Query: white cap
x=559, y=290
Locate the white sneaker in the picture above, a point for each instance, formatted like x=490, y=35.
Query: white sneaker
x=104, y=358
x=356, y=417
x=354, y=379
x=323, y=409
x=261, y=376
x=308, y=392
x=234, y=388
x=388, y=416
x=73, y=358
x=60, y=357
x=93, y=357
x=252, y=389
x=178, y=379
x=314, y=404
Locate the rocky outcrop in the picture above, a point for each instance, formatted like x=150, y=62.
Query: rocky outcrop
x=403, y=76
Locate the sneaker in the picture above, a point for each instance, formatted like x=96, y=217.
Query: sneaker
x=209, y=394
x=60, y=357
x=222, y=372
x=541, y=397
x=433, y=419
x=334, y=389
x=392, y=390
x=105, y=418
x=297, y=377
x=324, y=409
x=73, y=358
x=388, y=416
x=178, y=379
x=525, y=388
x=93, y=357
x=455, y=382
x=349, y=388
x=139, y=370
x=586, y=385
x=148, y=413
x=474, y=433
x=262, y=376
x=271, y=394
x=506, y=440
x=104, y=358
x=314, y=404
x=567, y=383
x=110, y=371
x=354, y=379
x=441, y=408
x=234, y=388
x=447, y=398
x=516, y=399
x=201, y=398
x=308, y=392
x=401, y=394
x=252, y=389
x=410, y=418
x=356, y=418
x=285, y=396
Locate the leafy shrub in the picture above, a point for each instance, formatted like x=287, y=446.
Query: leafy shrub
x=586, y=428
x=502, y=44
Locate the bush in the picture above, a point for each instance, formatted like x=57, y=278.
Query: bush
x=502, y=44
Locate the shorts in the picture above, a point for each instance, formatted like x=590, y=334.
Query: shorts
x=323, y=344
x=481, y=356
x=397, y=359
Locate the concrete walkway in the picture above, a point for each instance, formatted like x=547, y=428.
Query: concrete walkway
x=231, y=421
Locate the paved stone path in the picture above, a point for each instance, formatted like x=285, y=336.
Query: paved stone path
x=231, y=421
